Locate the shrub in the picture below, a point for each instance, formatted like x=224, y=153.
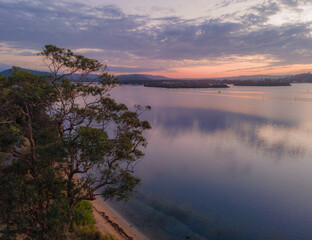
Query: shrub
x=89, y=233
x=83, y=214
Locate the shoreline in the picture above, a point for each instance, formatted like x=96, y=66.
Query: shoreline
x=109, y=221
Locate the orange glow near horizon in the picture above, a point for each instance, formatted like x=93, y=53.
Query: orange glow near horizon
x=221, y=68
x=231, y=66
x=216, y=71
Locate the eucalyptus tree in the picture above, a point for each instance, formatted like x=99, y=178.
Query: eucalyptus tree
x=101, y=139
x=63, y=140
x=31, y=198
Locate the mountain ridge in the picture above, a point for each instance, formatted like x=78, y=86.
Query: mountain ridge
x=139, y=78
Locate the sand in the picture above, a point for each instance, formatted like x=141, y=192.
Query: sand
x=109, y=221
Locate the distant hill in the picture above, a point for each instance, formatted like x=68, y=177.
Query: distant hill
x=145, y=79
x=263, y=83
x=121, y=78
x=8, y=72
x=133, y=77
x=156, y=77
x=140, y=79
x=257, y=77
x=302, y=78
x=4, y=66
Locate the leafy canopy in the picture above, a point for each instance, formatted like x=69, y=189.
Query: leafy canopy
x=63, y=140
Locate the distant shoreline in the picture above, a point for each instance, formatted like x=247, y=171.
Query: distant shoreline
x=186, y=86
x=261, y=84
x=206, y=83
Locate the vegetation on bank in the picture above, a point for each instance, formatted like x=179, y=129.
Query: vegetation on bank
x=263, y=83
x=184, y=84
x=83, y=224
x=89, y=233
x=62, y=142
x=209, y=83
x=163, y=82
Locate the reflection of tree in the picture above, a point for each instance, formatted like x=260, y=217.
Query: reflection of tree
x=176, y=119
x=293, y=142
x=271, y=137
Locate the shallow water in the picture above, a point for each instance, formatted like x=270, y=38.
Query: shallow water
x=234, y=164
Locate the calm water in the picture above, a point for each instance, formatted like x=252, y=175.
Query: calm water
x=229, y=165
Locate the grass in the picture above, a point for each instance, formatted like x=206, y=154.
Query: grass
x=83, y=224
x=89, y=233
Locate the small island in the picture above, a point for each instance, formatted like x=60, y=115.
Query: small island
x=163, y=82
x=263, y=83
x=185, y=84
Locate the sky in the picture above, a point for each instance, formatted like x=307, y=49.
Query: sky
x=176, y=38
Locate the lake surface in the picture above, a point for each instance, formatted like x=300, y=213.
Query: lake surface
x=235, y=164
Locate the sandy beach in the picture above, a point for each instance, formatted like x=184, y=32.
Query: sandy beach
x=109, y=221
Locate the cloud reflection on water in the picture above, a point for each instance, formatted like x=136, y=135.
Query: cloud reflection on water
x=246, y=170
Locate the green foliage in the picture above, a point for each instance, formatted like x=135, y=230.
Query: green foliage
x=63, y=140
x=10, y=136
x=94, y=144
x=87, y=233
x=123, y=189
x=83, y=222
x=83, y=214
x=2, y=157
x=26, y=205
x=69, y=59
